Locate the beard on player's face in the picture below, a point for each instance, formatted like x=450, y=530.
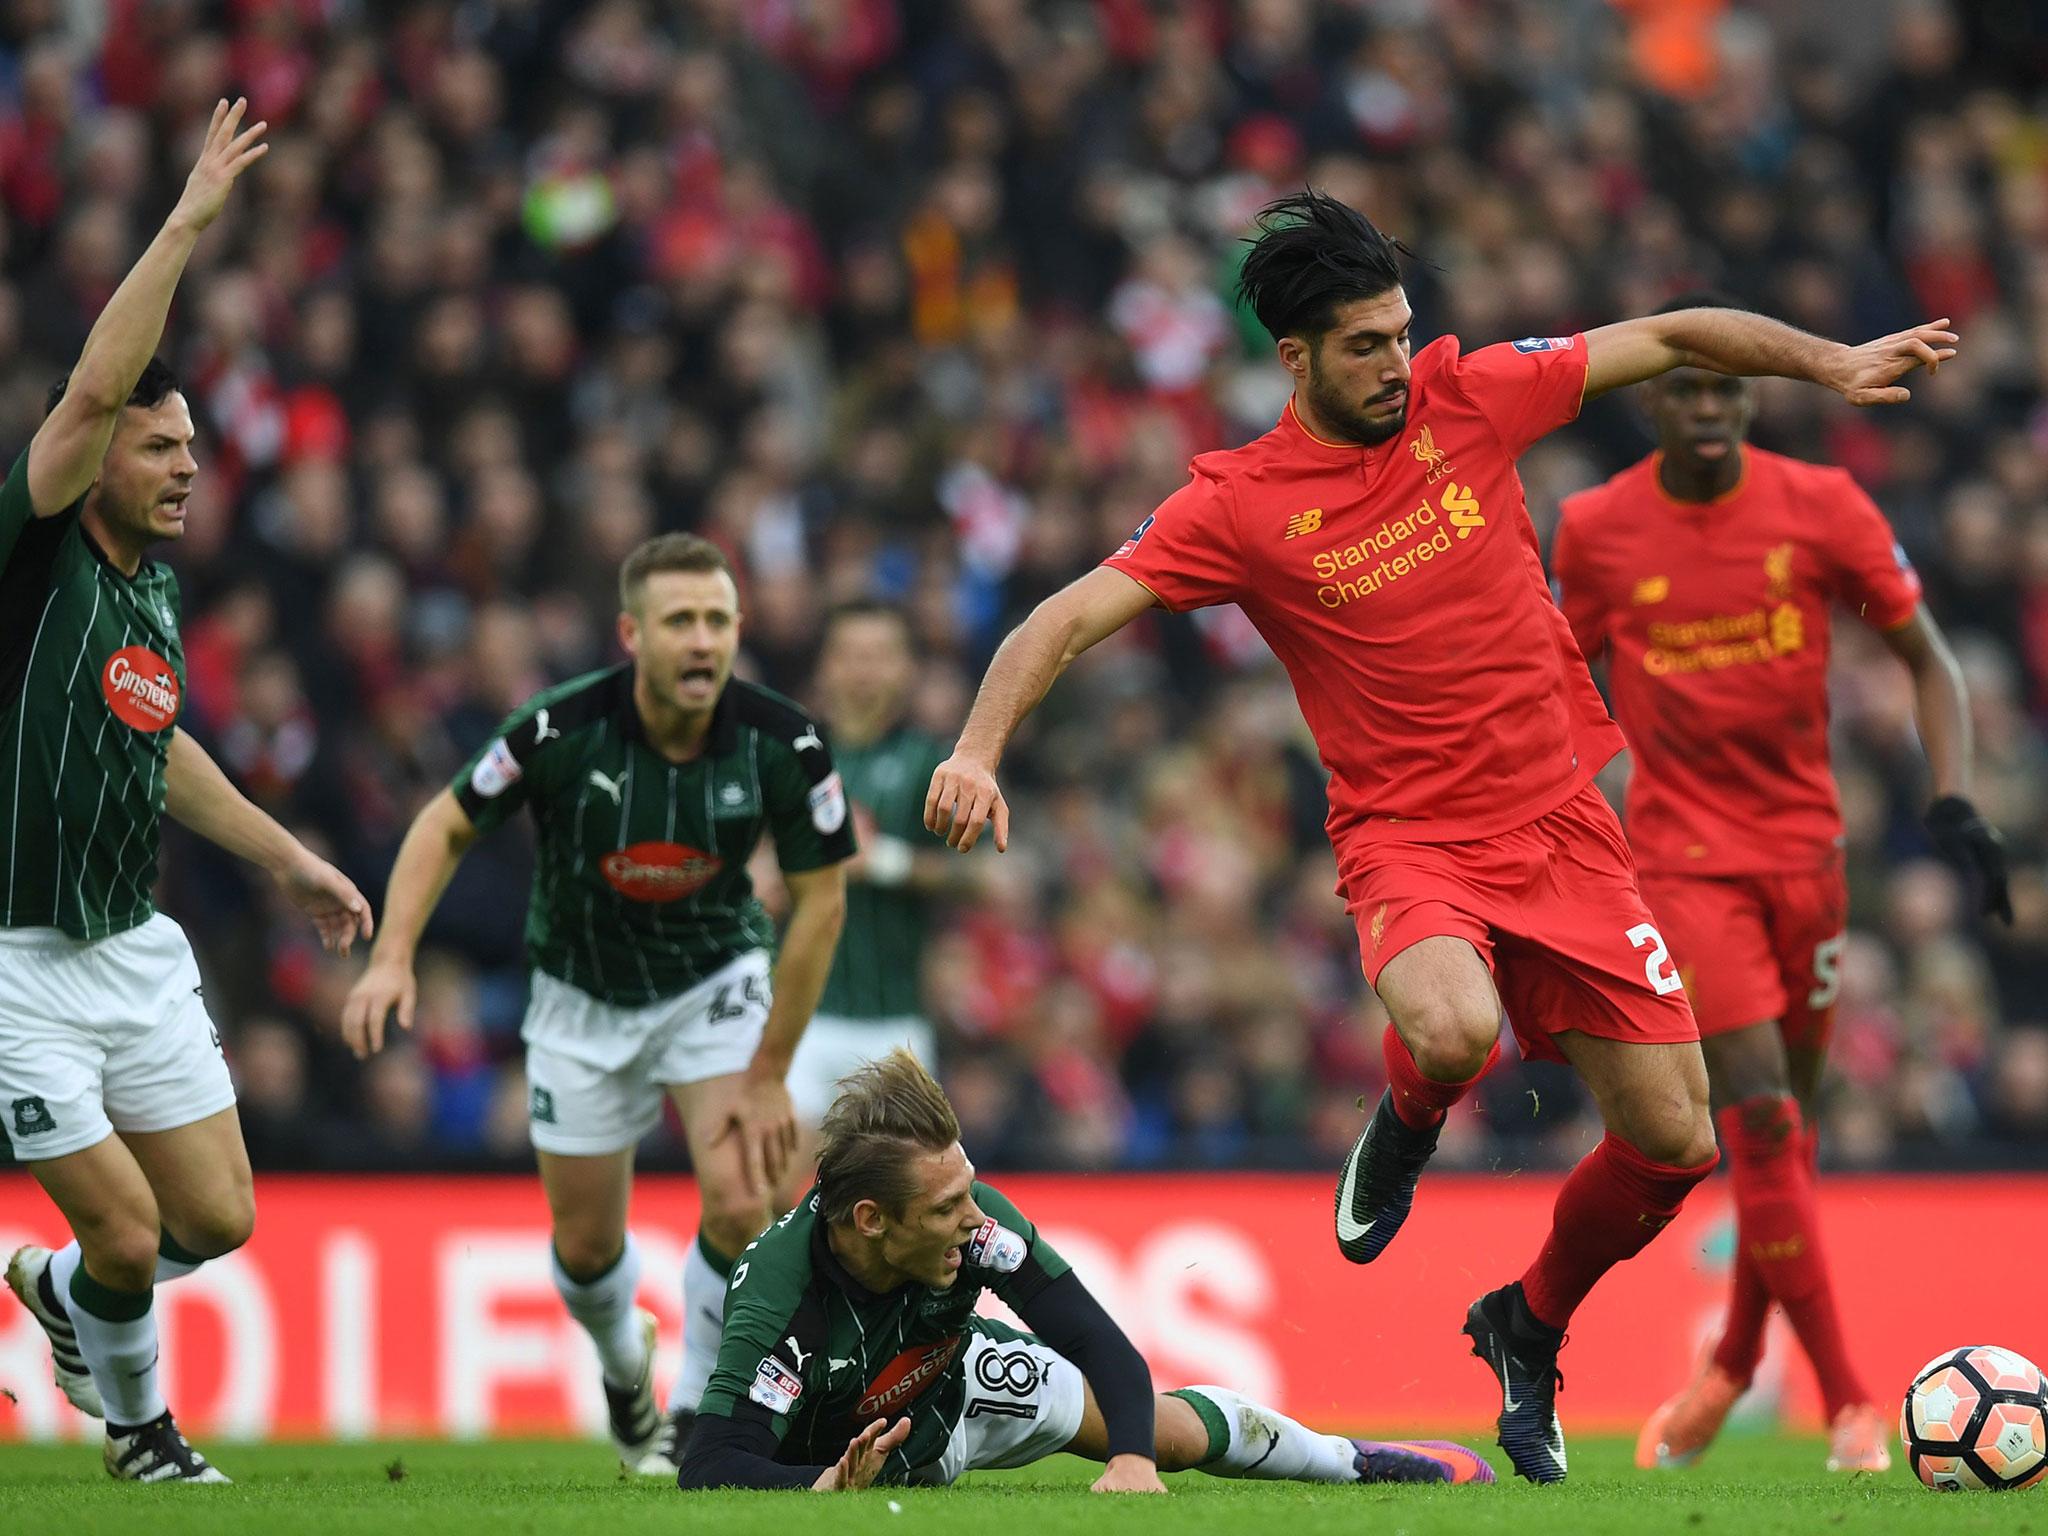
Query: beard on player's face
x=147, y=475
x=1342, y=410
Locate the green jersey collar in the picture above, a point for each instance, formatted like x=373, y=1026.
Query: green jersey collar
x=722, y=740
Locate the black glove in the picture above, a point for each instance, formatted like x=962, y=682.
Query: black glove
x=1973, y=845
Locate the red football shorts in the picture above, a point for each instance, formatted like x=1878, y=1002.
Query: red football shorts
x=1553, y=909
x=1753, y=948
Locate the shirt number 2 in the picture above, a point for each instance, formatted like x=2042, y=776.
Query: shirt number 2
x=1656, y=967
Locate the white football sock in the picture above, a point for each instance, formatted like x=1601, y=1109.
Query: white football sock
x=604, y=1306
x=63, y=1264
x=66, y=1259
x=168, y=1268
x=120, y=1350
x=1265, y=1444
x=704, y=1277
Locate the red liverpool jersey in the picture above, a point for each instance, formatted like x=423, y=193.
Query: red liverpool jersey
x=1402, y=588
x=1716, y=615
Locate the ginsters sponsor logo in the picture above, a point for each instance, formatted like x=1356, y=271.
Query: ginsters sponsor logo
x=657, y=872
x=908, y=1375
x=140, y=688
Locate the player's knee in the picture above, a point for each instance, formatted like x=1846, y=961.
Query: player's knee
x=1449, y=1039
x=1773, y=1114
x=1180, y=1438
x=1683, y=1138
x=120, y=1254
x=731, y=1218
x=1742, y=1073
x=586, y=1255
x=221, y=1228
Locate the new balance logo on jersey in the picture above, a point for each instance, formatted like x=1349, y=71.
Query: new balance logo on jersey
x=32, y=1117
x=1310, y=521
x=612, y=787
x=541, y=729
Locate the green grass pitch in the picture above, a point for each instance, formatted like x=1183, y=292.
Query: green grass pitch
x=1751, y=1486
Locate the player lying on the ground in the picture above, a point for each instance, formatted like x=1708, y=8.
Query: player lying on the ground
x=853, y=1353
x=1708, y=573
x=651, y=784
x=119, y=1100
x=1379, y=540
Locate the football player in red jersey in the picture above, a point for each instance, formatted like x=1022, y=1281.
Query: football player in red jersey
x=1378, y=539
x=1706, y=573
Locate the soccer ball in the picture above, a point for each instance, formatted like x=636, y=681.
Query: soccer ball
x=1976, y=1417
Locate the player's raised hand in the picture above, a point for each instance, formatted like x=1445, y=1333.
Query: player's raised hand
x=339, y=911
x=385, y=989
x=230, y=149
x=1129, y=1474
x=763, y=1121
x=963, y=799
x=1869, y=374
x=865, y=1454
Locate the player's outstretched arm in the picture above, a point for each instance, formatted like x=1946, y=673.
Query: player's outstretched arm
x=963, y=797
x=66, y=453
x=763, y=1118
x=1734, y=341
x=1119, y=1425
x=1941, y=708
x=198, y=795
x=434, y=845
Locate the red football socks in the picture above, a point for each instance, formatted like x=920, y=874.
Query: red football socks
x=1421, y=1102
x=1777, y=1232
x=1740, y=1349
x=1613, y=1203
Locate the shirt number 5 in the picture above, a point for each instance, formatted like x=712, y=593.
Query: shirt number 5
x=1655, y=966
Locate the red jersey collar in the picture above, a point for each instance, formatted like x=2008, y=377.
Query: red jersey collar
x=1301, y=440
x=1733, y=493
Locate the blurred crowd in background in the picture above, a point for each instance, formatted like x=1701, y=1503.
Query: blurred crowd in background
x=931, y=300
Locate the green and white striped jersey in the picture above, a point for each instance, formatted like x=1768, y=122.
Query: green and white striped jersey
x=92, y=677
x=816, y=1356
x=641, y=890
x=878, y=970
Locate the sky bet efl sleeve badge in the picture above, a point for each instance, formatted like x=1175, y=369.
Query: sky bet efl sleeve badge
x=775, y=1386
x=496, y=771
x=997, y=1248
x=828, y=804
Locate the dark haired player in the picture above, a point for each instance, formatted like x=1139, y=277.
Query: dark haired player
x=111, y=1077
x=1378, y=539
x=867, y=663
x=1707, y=572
